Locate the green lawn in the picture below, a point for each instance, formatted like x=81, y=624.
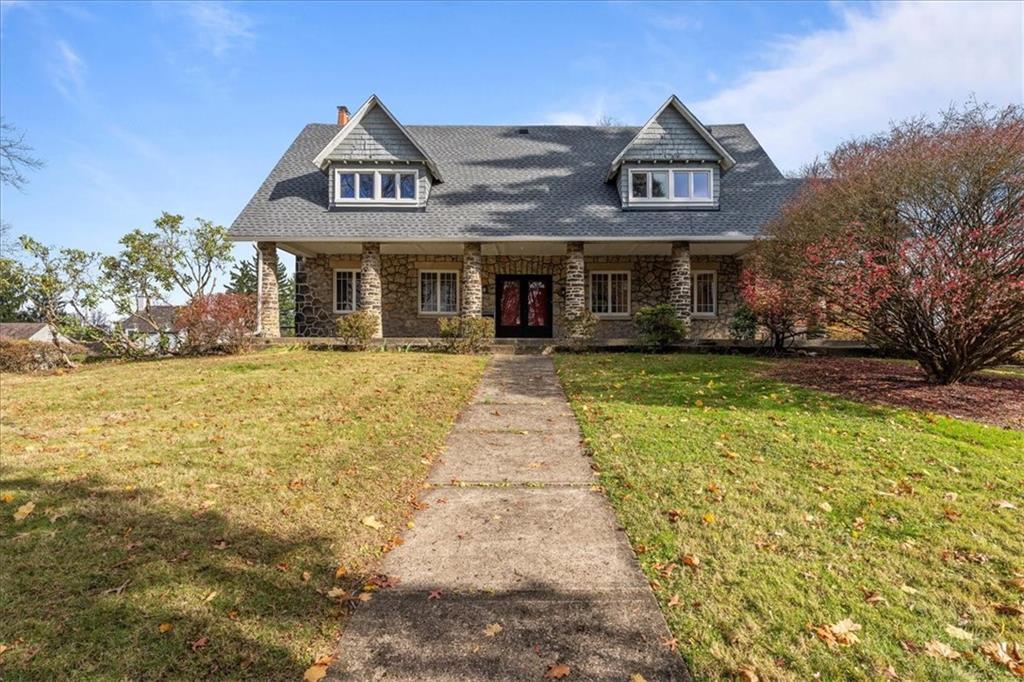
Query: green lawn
x=801, y=510
x=190, y=515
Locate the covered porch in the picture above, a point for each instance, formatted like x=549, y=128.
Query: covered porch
x=528, y=287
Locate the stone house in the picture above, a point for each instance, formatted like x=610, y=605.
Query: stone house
x=529, y=225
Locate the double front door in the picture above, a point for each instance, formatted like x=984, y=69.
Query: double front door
x=523, y=306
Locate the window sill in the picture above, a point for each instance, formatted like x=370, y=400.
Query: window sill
x=613, y=316
x=345, y=312
x=704, y=316
x=423, y=313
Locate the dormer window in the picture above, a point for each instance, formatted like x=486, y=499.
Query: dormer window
x=670, y=186
x=353, y=186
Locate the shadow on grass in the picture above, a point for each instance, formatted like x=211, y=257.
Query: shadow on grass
x=91, y=574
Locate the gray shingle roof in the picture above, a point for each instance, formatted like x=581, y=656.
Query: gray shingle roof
x=500, y=184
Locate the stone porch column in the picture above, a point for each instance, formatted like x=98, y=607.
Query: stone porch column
x=370, y=287
x=268, y=311
x=679, y=280
x=472, y=285
x=575, y=280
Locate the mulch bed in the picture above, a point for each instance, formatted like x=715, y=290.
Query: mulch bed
x=990, y=398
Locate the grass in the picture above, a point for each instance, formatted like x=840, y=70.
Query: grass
x=214, y=497
x=799, y=506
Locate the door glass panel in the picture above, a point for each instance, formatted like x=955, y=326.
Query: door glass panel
x=510, y=303
x=537, y=304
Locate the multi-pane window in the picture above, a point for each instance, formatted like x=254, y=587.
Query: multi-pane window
x=375, y=186
x=346, y=290
x=670, y=185
x=439, y=291
x=703, y=293
x=609, y=293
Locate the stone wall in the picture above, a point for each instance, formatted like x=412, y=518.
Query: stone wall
x=649, y=284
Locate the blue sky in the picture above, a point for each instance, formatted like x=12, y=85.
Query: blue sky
x=143, y=107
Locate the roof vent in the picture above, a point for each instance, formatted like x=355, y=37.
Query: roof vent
x=523, y=131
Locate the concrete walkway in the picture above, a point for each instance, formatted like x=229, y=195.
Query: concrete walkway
x=515, y=536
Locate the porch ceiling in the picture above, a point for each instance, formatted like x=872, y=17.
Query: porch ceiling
x=544, y=248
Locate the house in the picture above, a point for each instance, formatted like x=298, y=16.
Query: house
x=529, y=224
x=154, y=323
x=27, y=331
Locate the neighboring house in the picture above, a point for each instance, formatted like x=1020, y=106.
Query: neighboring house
x=27, y=331
x=529, y=224
x=154, y=322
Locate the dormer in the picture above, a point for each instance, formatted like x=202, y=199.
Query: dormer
x=673, y=162
x=374, y=162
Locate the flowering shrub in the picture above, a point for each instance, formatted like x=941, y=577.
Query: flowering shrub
x=218, y=323
x=915, y=238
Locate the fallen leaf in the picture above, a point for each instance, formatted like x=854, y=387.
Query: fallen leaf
x=6, y=498
x=220, y=544
x=436, y=594
x=337, y=593
x=747, y=673
x=200, y=643
x=838, y=634
x=825, y=507
x=1005, y=654
x=908, y=589
x=23, y=511
x=1004, y=504
x=166, y=627
x=1008, y=609
x=492, y=629
x=318, y=670
x=708, y=518
x=957, y=633
x=937, y=649
x=372, y=522
x=691, y=561
x=637, y=677
x=306, y=575
x=340, y=572
x=557, y=672
x=210, y=596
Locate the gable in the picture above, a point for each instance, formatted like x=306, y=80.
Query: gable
x=670, y=137
x=376, y=138
x=374, y=134
x=673, y=133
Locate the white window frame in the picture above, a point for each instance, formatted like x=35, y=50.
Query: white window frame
x=419, y=293
x=671, y=198
x=356, y=275
x=377, y=198
x=714, y=294
x=629, y=294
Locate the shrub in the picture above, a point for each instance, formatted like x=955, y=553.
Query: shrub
x=658, y=327
x=29, y=356
x=465, y=334
x=356, y=329
x=218, y=323
x=743, y=326
x=579, y=328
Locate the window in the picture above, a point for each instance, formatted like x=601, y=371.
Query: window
x=609, y=293
x=439, y=292
x=703, y=293
x=346, y=290
x=376, y=186
x=670, y=186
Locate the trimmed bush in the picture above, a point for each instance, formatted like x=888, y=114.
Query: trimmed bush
x=356, y=329
x=218, y=323
x=29, y=356
x=743, y=326
x=658, y=327
x=465, y=334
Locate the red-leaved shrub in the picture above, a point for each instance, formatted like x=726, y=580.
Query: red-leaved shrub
x=218, y=323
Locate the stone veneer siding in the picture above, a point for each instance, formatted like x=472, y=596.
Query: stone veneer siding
x=649, y=283
x=270, y=318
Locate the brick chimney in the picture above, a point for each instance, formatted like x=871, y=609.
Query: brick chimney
x=342, y=115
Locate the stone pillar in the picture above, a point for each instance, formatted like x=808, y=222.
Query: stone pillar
x=269, y=312
x=370, y=288
x=575, y=281
x=679, y=280
x=472, y=285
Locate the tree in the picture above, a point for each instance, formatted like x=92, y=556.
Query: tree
x=191, y=257
x=915, y=237
x=13, y=291
x=15, y=157
x=775, y=297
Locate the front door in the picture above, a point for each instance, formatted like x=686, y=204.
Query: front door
x=523, y=306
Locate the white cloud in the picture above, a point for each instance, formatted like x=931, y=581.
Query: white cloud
x=219, y=26
x=68, y=73
x=884, y=63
